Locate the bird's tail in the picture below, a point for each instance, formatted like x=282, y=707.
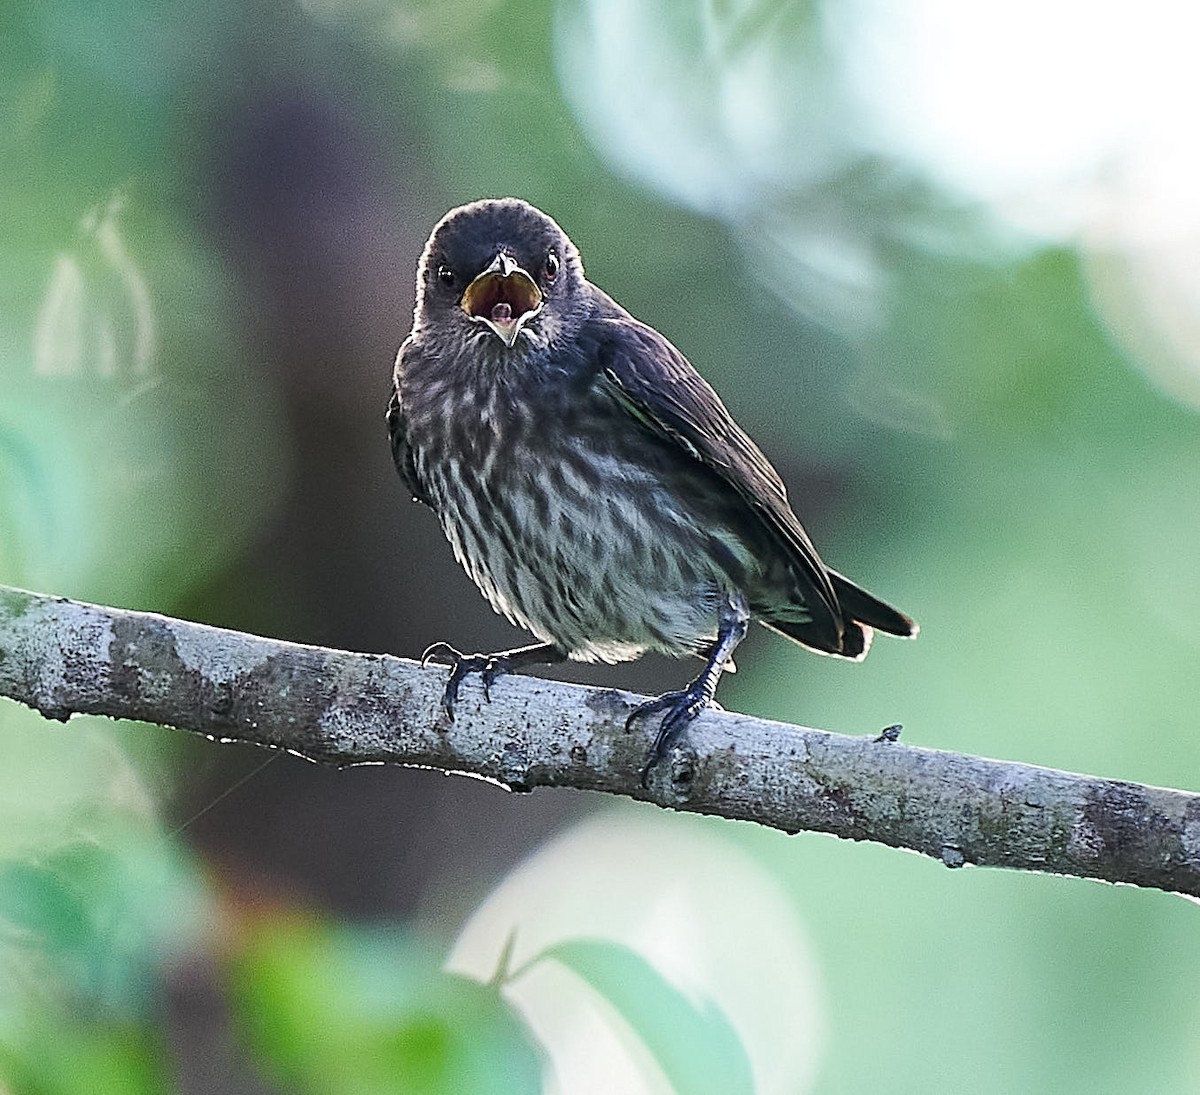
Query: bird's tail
x=862, y=615
x=858, y=604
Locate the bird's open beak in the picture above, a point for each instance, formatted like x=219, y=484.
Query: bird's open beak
x=504, y=297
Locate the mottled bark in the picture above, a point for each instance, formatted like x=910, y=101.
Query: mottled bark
x=63, y=657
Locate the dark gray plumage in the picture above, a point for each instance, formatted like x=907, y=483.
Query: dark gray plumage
x=589, y=480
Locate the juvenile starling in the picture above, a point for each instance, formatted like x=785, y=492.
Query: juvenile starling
x=590, y=481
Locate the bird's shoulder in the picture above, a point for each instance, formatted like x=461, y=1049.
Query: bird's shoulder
x=649, y=372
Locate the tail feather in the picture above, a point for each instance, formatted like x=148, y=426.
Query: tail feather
x=858, y=604
x=862, y=615
x=855, y=639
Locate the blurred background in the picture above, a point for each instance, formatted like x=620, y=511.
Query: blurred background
x=943, y=263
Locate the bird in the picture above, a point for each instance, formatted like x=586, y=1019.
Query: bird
x=591, y=483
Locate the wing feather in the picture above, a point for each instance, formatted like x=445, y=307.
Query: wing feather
x=661, y=388
x=402, y=452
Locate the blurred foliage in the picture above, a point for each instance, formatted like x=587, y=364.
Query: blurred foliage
x=672, y=962
x=198, y=202
x=365, y=1012
x=86, y=928
x=697, y=1049
x=93, y=916
x=67, y=1057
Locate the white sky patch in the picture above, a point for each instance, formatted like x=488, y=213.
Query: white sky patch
x=1000, y=101
x=1073, y=122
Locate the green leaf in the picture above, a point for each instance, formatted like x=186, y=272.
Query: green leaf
x=340, y=1011
x=695, y=1044
x=89, y=924
x=66, y=1059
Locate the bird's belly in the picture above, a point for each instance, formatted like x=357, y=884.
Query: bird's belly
x=591, y=554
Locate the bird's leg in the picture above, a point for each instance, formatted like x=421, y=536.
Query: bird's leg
x=683, y=706
x=490, y=666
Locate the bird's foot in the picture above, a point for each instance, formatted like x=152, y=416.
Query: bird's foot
x=489, y=666
x=681, y=708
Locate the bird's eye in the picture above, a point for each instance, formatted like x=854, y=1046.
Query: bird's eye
x=446, y=276
x=551, y=266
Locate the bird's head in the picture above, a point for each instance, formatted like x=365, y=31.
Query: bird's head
x=499, y=271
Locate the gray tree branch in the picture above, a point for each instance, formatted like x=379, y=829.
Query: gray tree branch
x=64, y=657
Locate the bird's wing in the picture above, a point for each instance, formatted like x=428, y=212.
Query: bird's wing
x=659, y=387
x=402, y=452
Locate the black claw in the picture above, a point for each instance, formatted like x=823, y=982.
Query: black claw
x=490, y=666
x=681, y=708
x=497, y=666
